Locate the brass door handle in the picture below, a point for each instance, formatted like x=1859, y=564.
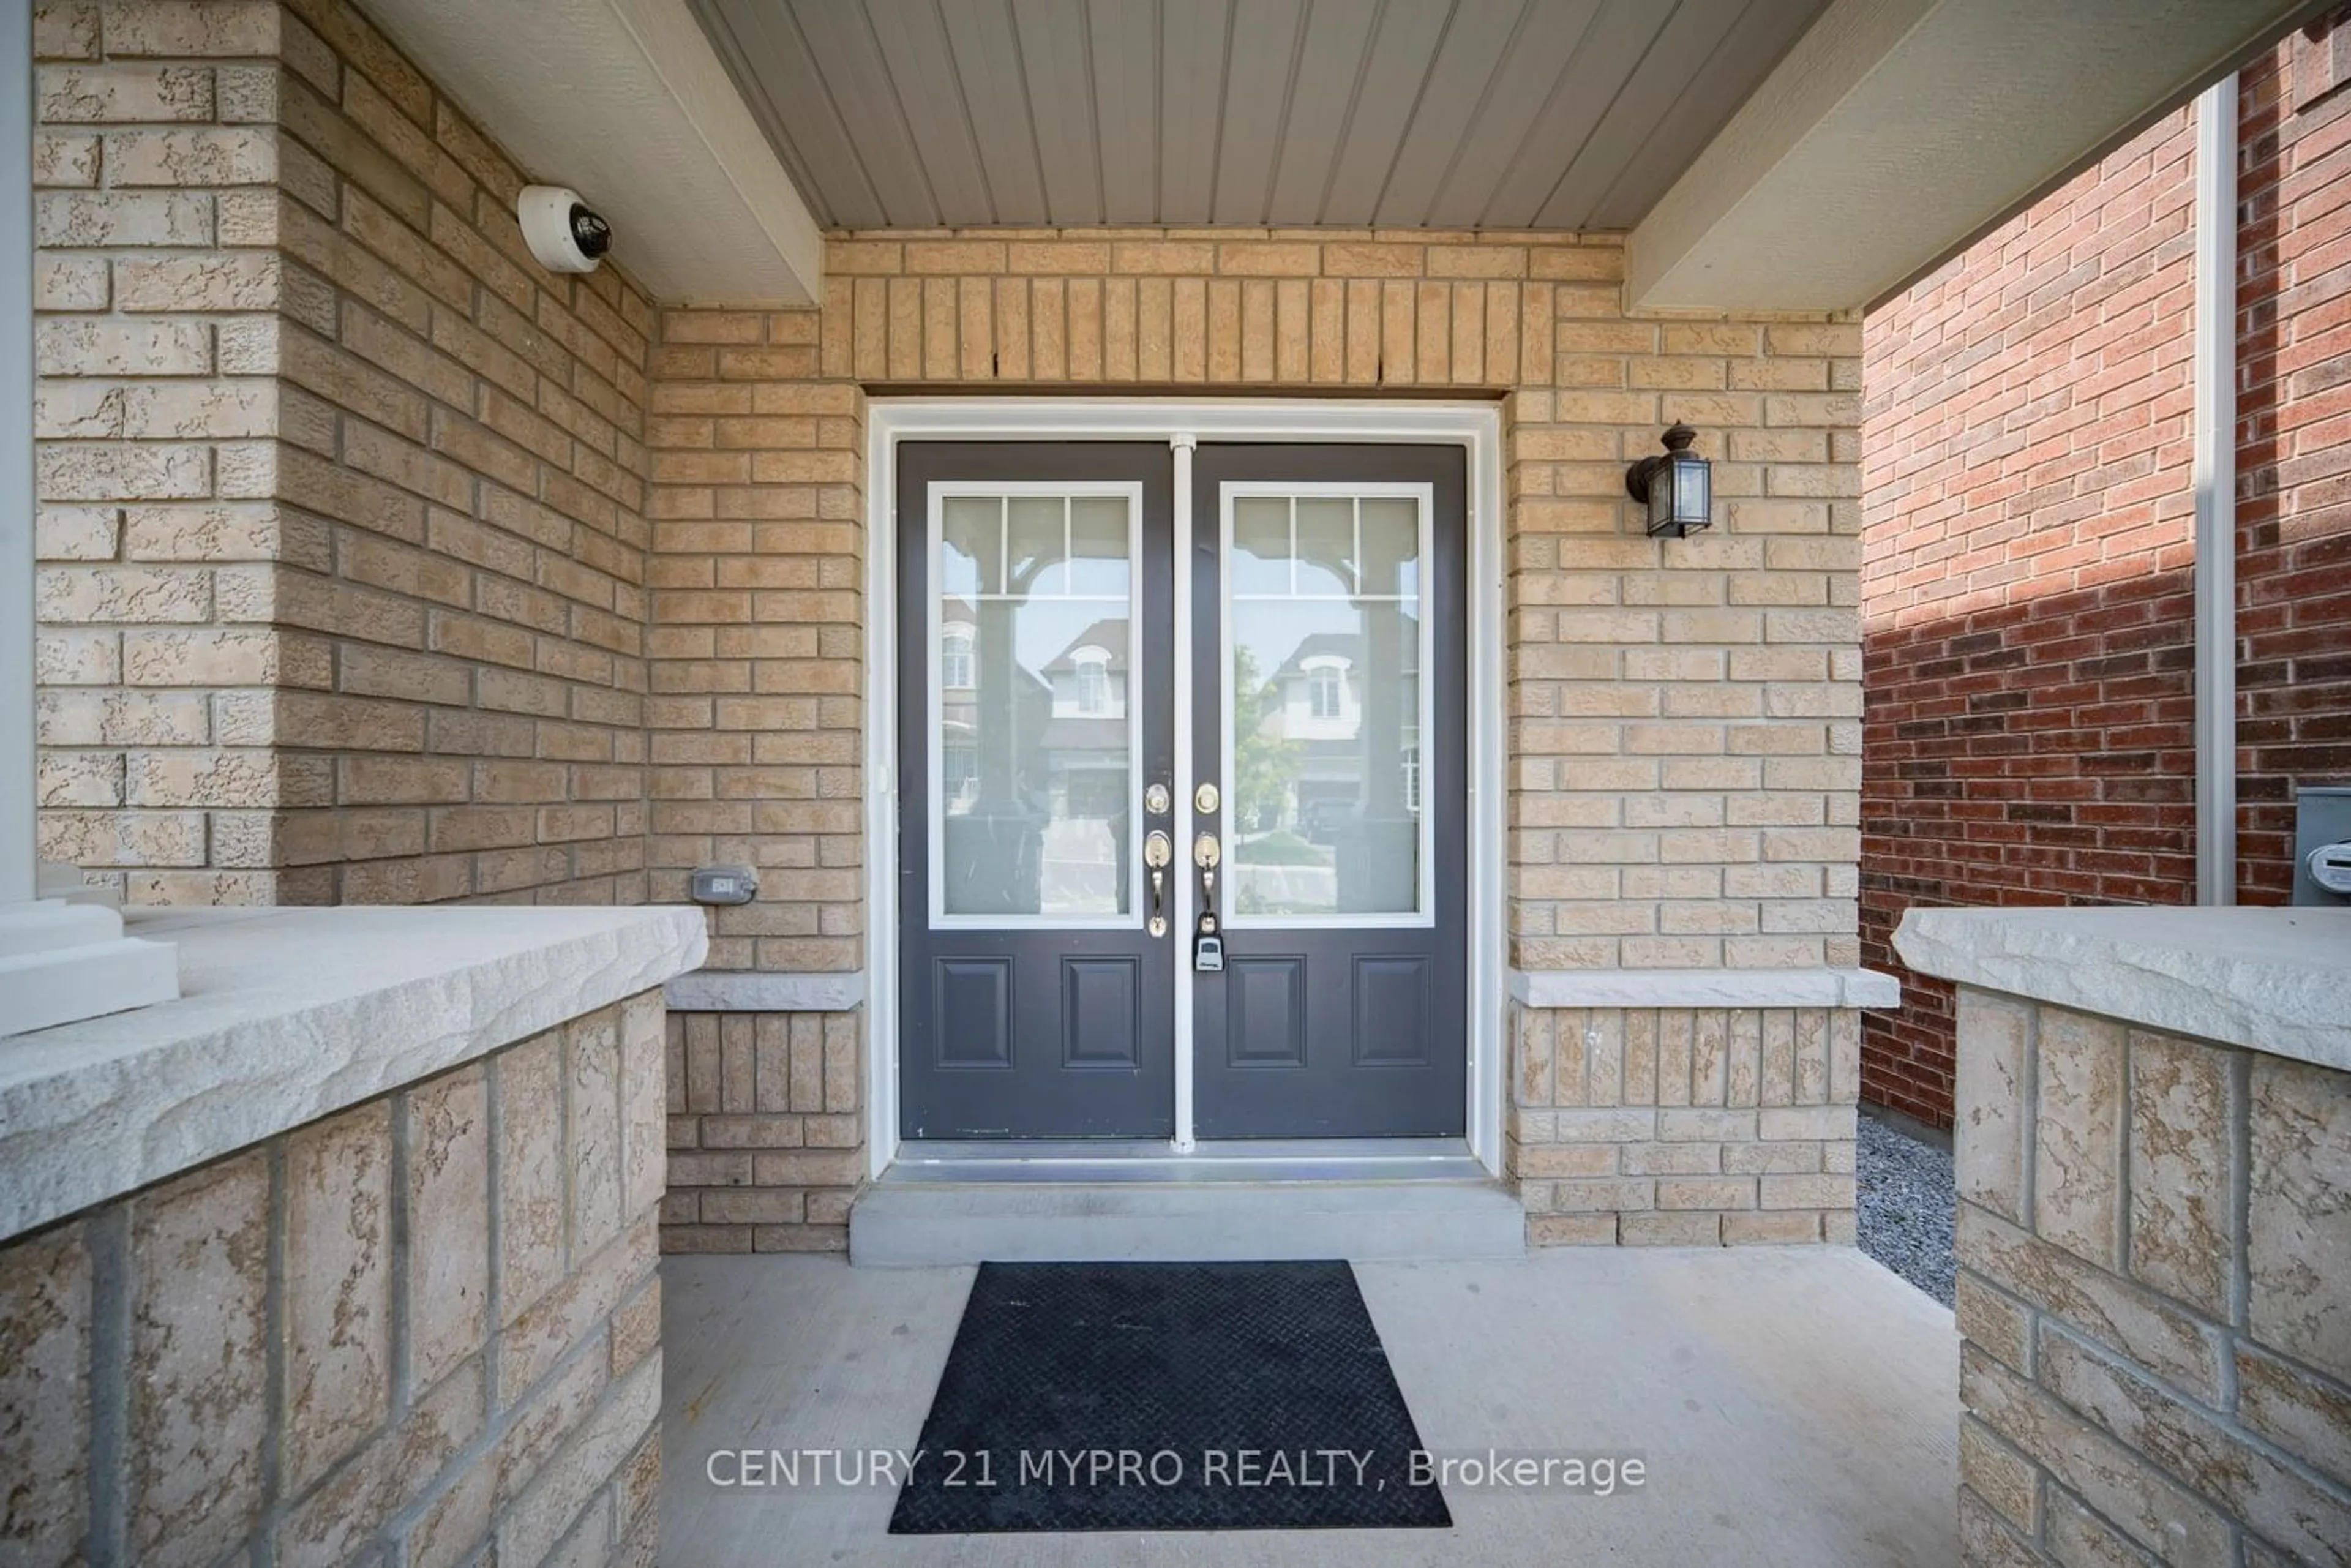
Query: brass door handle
x=1157, y=851
x=1205, y=854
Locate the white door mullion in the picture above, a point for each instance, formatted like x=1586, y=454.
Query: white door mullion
x=1180, y=935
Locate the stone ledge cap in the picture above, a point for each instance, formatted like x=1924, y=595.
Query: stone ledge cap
x=2273, y=980
x=745, y=991
x=288, y=1015
x=1705, y=989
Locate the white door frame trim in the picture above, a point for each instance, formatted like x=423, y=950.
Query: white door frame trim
x=1476, y=426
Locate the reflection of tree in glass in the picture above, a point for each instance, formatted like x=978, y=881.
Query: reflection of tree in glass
x=1263, y=763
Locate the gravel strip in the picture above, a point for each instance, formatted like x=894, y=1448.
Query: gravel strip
x=1908, y=1199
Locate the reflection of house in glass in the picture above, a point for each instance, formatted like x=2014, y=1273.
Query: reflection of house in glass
x=1033, y=759
x=1086, y=739
x=1327, y=769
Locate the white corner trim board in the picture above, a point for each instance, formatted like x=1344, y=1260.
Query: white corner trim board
x=727, y=991
x=2275, y=980
x=294, y=1014
x=1704, y=989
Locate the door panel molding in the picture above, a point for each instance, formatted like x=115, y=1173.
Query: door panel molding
x=1385, y=986
x=1474, y=426
x=1038, y=828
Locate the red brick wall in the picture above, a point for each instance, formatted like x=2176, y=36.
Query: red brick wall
x=2293, y=456
x=2027, y=597
x=2027, y=606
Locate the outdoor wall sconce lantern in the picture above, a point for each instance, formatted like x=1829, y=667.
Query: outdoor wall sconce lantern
x=1675, y=485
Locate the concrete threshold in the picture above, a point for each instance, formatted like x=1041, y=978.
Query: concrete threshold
x=908, y=1224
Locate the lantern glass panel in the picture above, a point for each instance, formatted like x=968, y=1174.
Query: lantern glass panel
x=1692, y=491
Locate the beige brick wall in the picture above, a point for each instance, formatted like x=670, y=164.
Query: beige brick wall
x=1685, y=715
x=1684, y=1126
x=424, y=1329
x=1685, y=731
x=381, y=564
x=2154, y=1262
x=765, y=1138
x=341, y=495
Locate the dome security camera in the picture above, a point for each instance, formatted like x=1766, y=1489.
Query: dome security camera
x=562, y=232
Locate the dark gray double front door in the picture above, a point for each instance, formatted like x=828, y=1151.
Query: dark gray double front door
x=1043, y=827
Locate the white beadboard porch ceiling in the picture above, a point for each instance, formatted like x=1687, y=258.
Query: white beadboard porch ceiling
x=1560, y=114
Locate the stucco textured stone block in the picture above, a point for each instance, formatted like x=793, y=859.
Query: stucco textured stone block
x=1986, y=1541
x=198, y=1363
x=448, y=1137
x=592, y=1047
x=338, y=1289
x=1992, y=1163
x=65, y=29
x=1774, y=1228
x=74, y=220
x=2201, y=1399
x=2298, y=1245
x=1668, y=1230
x=2077, y=1135
x=530, y=1178
x=2268, y=1495
x=2077, y=1535
x=548, y=1330
x=2000, y=1475
x=212, y=157
x=643, y=1130
x=336, y=1520
x=2307, y=1416
x=564, y=1487
x=2182, y=1210
x=191, y=27
x=2153, y=1330
x=229, y=1336
x=1993, y=1322
x=2133, y=1491
x=45, y=1405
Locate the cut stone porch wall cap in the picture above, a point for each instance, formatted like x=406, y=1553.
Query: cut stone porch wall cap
x=1704, y=989
x=2273, y=980
x=736, y=991
x=288, y=1015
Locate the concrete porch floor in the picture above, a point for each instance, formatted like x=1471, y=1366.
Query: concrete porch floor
x=1796, y=1405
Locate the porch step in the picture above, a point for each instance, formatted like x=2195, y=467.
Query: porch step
x=902, y=1224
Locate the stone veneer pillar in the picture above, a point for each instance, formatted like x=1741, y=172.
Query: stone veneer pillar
x=2154, y=1147
x=251, y=1305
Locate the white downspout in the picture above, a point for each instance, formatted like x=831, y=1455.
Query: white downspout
x=2214, y=475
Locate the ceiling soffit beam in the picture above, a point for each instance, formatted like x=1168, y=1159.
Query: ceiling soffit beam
x=625, y=102
x=1896, y=131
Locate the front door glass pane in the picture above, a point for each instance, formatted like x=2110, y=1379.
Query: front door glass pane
x=1034, y=789
x=1324, y=707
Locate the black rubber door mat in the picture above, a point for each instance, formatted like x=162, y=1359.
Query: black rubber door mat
x=1165, y=1396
